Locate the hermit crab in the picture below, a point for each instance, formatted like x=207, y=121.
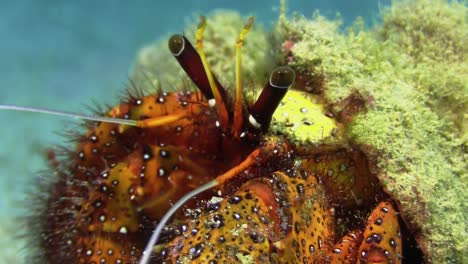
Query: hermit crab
x=260, y=197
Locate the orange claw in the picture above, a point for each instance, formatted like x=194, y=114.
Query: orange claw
x=381, y=238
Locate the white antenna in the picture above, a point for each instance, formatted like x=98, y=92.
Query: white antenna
x=69, y=114
x=157, y=231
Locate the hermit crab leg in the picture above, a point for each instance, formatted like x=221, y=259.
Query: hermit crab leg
x=280, y=79
x=218, y=101
x=238, y=116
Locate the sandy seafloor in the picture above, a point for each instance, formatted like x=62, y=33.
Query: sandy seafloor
x=65, y=54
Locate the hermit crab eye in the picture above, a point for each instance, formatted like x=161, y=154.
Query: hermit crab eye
x=176, y=44
x=262, y=111
x=282, y=77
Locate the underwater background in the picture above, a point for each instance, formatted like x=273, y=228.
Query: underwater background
x=65, y=55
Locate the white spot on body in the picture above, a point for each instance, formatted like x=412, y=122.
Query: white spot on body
x=123, y=230
x=212, y=102
x=215, y=199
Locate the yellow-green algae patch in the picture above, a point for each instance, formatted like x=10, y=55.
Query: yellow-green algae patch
x=301, y=117
x=413, y=71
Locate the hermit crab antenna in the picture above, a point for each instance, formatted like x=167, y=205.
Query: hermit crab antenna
x=157, y=231
x=262, y=111
x=70, y=114
x=218, y=101
x=190, y=61
x=238, y=117
x=149, y=122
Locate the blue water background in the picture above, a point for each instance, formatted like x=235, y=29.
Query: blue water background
x=63, y=54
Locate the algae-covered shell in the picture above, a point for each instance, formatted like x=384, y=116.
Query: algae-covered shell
x=412, y=72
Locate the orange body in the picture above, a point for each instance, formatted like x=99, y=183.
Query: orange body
x=276, y=202
x=122, y=178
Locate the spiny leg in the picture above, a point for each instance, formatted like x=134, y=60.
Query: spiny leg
x=238, y=116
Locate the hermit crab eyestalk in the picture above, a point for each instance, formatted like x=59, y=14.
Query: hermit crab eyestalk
x=190, y=61
x=262, y=111
x=176, y=44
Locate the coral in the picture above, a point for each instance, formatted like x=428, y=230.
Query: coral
x=412, y=70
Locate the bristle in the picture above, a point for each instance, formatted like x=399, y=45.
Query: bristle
x=37, y=201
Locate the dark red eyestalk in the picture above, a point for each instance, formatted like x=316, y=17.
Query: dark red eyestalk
x=190, y=61
x=262, y=111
